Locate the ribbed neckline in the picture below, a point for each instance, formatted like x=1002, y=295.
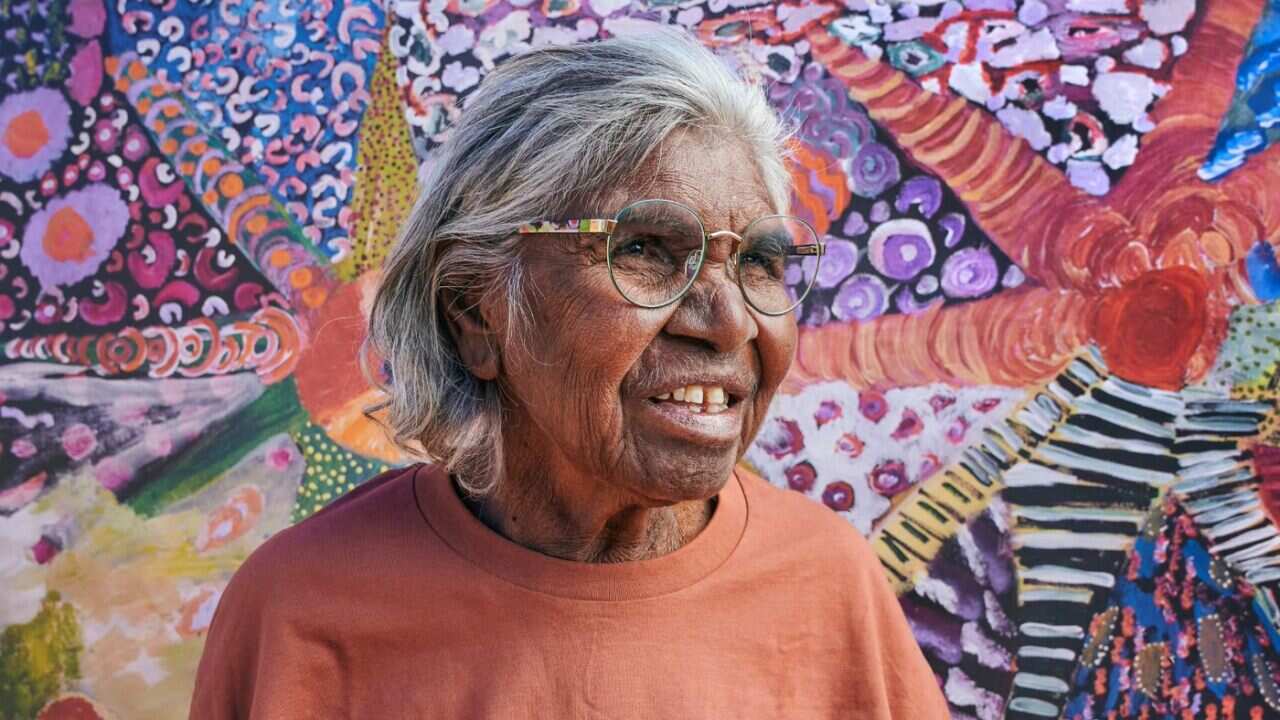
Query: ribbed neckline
x=445, y=513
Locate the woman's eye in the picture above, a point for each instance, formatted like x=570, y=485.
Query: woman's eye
x=631, y=247
x=641, y=247
x=762, y=261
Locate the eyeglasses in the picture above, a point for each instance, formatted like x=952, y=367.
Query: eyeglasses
x=655, y=249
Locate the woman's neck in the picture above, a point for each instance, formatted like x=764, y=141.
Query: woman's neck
x=593, y=526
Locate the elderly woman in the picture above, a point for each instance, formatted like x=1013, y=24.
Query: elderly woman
x=583, y=325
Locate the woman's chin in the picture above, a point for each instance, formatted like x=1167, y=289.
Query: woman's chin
x=683, y=481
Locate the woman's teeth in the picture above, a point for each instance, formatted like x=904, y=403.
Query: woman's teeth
x=698, y=398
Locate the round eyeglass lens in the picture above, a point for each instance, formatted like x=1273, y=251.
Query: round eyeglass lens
x=777, y=263
x=655, y=252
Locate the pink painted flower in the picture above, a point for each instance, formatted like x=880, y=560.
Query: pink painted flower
x=909, y=426
x=280, y=458
x=781, y=437
x=22, y=448
x=873, y=405
x=889, y=478
x=112, y=474
x=79, y=440
x=48, y=310
x=838, y=496
x=986, y=404
x=941, y=402
x=850, y=445
x=105, y=135
x=801, y=476
x=135, y=143
x=928, y=467
x=827, y=411
x=958, y=429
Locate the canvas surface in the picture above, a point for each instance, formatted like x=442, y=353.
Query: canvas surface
x=1038, y=370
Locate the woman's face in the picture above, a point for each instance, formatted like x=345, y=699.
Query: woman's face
x=584, y=394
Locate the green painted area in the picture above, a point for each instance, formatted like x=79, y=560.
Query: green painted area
x=331, y=470
x=38, y=659
x=1247, y=361
x=219, y=448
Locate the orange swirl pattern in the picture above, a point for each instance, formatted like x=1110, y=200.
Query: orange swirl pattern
x=268, y=343
x=1017, y=335
x=1091, y=255
x=819, y=193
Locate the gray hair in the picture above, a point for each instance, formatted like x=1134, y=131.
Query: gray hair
x=548, y=133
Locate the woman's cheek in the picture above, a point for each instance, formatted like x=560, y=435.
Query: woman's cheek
x=776, y=350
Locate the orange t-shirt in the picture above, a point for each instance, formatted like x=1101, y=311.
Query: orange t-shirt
x=396, y=602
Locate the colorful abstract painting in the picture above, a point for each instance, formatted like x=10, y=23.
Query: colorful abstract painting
x=1039, y=369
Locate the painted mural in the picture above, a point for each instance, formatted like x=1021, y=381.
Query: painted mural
x=1039, y=369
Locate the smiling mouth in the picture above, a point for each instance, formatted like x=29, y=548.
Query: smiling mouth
x=697, y=399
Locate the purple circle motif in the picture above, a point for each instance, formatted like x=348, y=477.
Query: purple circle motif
x=969, y=273
x=901, y=248
x=921, y=190
x=875, y=169
x=862, y=297
x=953, y=224
x=98, y=207
x=908, y=305
x=838, y=261
x=43, y=120
x=879, y=212
x=841, y=133
x=854, y=225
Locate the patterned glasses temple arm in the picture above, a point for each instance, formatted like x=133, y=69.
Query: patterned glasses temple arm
x=600, y=225
x=596, y=225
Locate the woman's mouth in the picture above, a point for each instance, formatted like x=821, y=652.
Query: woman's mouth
x=695, y=398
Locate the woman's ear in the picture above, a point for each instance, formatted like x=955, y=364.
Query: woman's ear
x=475, y=340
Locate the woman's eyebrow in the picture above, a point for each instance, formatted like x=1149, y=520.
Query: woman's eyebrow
x=776, y=241
x=659, y=223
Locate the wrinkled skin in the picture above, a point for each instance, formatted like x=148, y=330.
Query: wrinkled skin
x=593, y=471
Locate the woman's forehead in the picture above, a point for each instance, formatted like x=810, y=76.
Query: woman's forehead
x=717, y=179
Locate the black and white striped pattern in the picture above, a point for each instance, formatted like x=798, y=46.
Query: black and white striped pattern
x=1082, y=467
x=1218, y=485
x=1078, y=501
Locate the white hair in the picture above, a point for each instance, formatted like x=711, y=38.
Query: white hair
x=548, y=133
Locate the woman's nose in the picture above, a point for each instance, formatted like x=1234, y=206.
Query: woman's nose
x=714, y=310
x=720, y=254
x=722, y=245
